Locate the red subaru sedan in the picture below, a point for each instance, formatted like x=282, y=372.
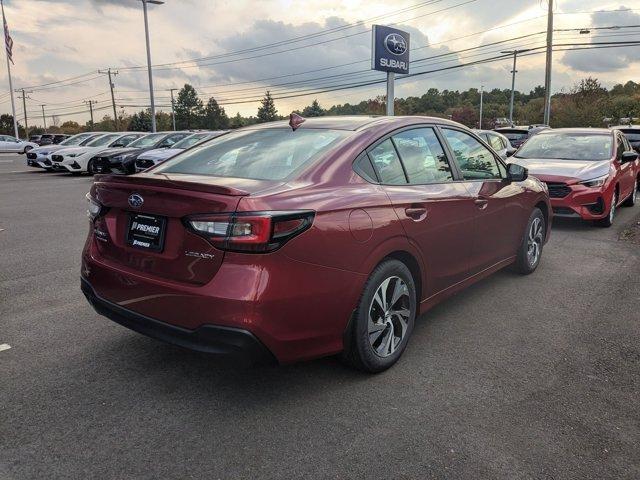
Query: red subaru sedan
x=589, y=171
x=294, y=241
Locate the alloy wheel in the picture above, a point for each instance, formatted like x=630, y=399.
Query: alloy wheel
x=389, y=316
x=534, y=242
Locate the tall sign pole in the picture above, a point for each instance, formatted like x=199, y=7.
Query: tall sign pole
x=547, y=72
x=8, y=44
x=481, y=101
x=389, y=53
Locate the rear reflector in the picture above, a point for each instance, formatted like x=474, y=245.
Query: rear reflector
x=251, y=232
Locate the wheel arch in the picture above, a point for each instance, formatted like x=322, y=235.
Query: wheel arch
x=414, y=267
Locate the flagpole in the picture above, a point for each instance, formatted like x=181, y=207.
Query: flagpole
x=13, y=102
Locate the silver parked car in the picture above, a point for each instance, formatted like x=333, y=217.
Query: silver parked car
x=499, y=142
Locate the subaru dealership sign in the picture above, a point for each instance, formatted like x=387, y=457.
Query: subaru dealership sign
x=390, y=50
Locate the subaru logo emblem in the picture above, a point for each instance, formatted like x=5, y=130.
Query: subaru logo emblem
x=136, y=200
x=395, y=43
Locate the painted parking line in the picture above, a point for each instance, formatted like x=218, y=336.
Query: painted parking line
x=4, y=346
x=7, y=161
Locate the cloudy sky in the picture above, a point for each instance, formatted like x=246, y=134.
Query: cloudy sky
x=300, y=50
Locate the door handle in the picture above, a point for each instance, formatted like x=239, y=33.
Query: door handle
x=416, y=213
x=481, y=203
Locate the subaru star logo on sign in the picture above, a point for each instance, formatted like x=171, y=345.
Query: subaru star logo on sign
x=136, y=200
x=390, y=50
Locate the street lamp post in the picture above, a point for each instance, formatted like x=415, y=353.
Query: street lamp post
x=146, y=32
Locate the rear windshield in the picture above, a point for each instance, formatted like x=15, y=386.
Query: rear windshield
x=632, y=135
x=567, y=146
x=270, y=154
x=514, y=134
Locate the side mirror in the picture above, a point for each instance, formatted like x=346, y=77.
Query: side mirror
x=629, y=156
x=516, y=173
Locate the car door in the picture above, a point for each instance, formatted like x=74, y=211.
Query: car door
x=500, y=212
x=627, y=171
x=11, y=144
x=436, y=212
x=3, y=144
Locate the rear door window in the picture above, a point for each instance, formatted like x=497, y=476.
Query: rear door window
x=387, y=163
x=496, y=142
x=423, y=157
x=474, y=159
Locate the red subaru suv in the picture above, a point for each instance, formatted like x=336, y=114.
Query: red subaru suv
x=293, y=241
x=589, y=171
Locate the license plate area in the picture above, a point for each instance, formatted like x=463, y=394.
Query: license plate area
x=146, y=232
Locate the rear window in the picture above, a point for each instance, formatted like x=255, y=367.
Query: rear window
x=567, y=146
x=270, y=154
x=632, y=135
x=515, y=135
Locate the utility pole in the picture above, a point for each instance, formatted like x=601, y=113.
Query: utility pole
x=146, y=32
x=44, y=119
x=109, y=72
x=391, y=97
x=513, y=80
x=91, y=102
x=173, y=109
x=547, y=72
x=481, y=95
x=24, y=107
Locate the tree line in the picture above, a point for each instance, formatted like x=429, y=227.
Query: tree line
x=586, y=104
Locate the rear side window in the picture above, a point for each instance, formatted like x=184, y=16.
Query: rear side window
x=269, y=154
x=474, y=159
x=496, y=142
x=386, y=162
x=422, y=156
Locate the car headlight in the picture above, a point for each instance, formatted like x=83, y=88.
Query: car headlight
x=595, y=182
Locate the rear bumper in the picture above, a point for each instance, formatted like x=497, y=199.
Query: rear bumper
x=213, y=339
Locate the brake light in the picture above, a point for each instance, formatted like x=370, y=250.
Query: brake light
x=250, y=232
x=94, y=208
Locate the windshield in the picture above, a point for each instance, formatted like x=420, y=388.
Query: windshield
x=77, y=139
x=148, y=140
x=193, y=140
x=104, y=140
x=271, y=154
x=567, y=146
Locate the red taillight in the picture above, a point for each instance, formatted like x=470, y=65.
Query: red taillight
x=255, y=232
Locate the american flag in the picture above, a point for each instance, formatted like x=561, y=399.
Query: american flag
x=8, y=41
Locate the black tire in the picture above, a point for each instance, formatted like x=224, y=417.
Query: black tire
x=90, y=169
x=633, y=198
x=359, y=349
x=27, y=149
x=607, y=221
x=525, y=261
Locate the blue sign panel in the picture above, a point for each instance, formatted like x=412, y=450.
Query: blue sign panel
x=390, y=49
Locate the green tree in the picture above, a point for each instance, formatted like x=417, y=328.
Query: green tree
x=6, y=124
x=313, y=110
x=267, y=111
x=215, y=118
x=189, y=108
x=237, y=121
x=140, y=122
x=71, y=128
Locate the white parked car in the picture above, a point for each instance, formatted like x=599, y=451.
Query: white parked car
x=152, y=157
x=78, y=159
x=9, y=144
x=40, y=157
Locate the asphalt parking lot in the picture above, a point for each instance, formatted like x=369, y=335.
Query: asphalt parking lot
x=532, y=377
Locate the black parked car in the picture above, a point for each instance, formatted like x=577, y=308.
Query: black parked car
x=49, y=138
x=632, y=132
x=123, y=160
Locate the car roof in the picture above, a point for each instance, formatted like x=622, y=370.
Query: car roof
x=626, y=127
x=352, y=122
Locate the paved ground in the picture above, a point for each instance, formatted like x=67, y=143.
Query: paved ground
x=517, y=378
